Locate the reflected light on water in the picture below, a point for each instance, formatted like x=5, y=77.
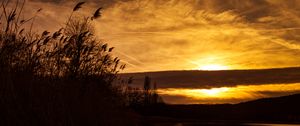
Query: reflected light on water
x=228, y=94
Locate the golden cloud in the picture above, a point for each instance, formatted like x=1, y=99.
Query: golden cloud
x=155, y=35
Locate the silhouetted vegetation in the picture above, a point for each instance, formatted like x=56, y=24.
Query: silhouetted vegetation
x=136, y=97
x=150, y=95
x=59, y=78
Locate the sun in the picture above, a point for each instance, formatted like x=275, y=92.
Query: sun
x=213, y=92
x=212, y=67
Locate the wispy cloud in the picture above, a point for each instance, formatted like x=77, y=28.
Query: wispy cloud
x=154, y=35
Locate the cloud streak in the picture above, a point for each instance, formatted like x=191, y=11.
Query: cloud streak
x=155, y=35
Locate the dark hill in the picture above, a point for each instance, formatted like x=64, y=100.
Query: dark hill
x=281, y=109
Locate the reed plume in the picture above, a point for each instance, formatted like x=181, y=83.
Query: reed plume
x=78, y=6
x=97, y=13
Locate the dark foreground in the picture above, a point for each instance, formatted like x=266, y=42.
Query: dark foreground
x=282, y=111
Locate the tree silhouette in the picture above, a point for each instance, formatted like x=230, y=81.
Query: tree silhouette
x=150, y=94
x=147, y=88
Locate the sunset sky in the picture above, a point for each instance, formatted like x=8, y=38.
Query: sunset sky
x=172, y=35
x=158, y=35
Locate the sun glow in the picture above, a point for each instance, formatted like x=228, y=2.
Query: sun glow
x=213, y=67
x=213, y=92
x=208, y=93
x=233, y=94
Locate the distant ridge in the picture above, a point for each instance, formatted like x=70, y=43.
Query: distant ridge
x=289, y=101
x=207, y=79
x=283, y=109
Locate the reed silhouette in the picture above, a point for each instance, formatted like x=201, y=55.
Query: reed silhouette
x=59, y=78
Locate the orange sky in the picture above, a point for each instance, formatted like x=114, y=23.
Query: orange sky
x=156, y=35
x=221, y=95
x=160, y=35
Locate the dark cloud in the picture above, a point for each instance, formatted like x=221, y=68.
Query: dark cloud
x=213, y=79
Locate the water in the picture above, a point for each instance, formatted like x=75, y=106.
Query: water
x=223, y=124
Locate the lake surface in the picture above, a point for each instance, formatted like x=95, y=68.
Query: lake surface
x=223, y=124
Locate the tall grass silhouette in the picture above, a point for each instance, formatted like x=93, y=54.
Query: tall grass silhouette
x=59, y=78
